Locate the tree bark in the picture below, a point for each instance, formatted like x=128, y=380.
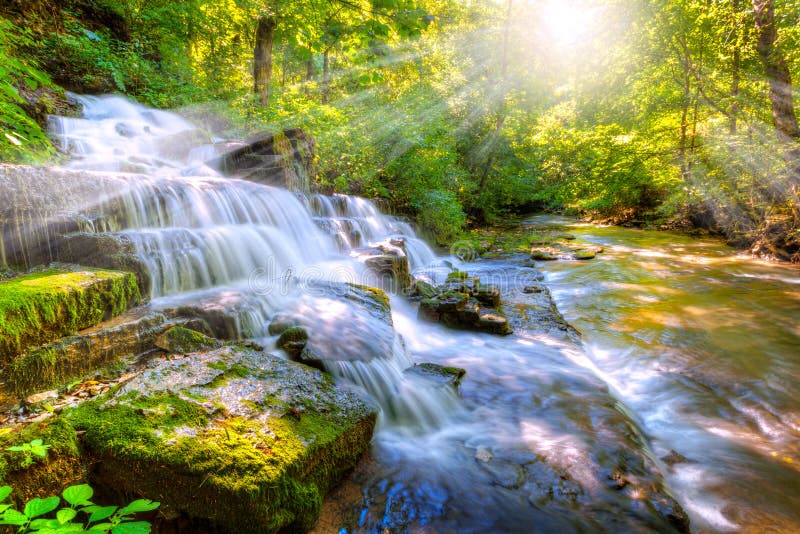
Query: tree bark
x=309, y=74
x=735, y=69
x=325, y=75
x=780, y=81
x=262, y=57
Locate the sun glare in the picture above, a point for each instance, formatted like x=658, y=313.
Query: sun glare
x=569, y=22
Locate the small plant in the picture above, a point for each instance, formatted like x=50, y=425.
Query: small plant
x=30, y=450
x=98, y=519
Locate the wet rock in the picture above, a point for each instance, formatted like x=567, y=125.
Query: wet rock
x=439, y=374
x=584, y=254
x=282, y=159
x=357, y=326
x=487, y=294
x=180, y=340
x=539, y=254
x=483, y=455
x=280, y=323
x=494, y=324
x=674, y=458
x=107, y=251
x=293, y=340
x=424, y=289
x=457, y=304
x=107, y=343
x=244, y=440
x=532, y=289
x=388, y=265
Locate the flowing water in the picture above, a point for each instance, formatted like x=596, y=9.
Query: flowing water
x=685, y=347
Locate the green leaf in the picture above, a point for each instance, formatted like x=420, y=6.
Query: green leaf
x=37, y=507
x=39, y=524
x=13, y=517
x=66, y=515
x=139, y=505
x=5, y=491
x=101, y=527
x=98, y=513
x=136, y=527
x=78, y=495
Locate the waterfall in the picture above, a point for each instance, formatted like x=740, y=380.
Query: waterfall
x=252, y=247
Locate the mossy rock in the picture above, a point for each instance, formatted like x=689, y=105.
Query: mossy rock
x=293, y=340
x=542, y=255
x=425, y=290
x=41, y=307
x=72, y=357
x=242, y=439
x=584, y=254
x=180, y=340
x=438, y=374
x=457, y=276
x=373, y=297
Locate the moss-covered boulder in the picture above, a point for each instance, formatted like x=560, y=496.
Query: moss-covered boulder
x=41, y=307
x=180, y=340
x=243, y=439
x=293, y=340
x=543, y=254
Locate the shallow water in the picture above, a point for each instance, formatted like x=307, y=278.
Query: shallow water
x=703, y=346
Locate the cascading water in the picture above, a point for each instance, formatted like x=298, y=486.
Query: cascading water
x=261, y=247
x=535, y=443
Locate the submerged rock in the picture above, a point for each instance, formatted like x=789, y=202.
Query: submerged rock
x=439, y=374
x=241, y=439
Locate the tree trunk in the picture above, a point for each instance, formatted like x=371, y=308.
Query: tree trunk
x=325, y=75
x=309, y=73
x=735, y=69
x=262, y=57
x=780, y=81
x=780, y=96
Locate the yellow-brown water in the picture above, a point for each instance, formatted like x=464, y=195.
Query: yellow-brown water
x=702, y=344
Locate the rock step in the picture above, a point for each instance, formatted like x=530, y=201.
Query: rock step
x=42, y=307
x=242, y=439
x=55, y=364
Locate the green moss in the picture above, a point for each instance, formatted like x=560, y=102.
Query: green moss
x=185, y=341
x=457, y=276
x=542, y=255
x=378, y=295
x=252, y=445
x=41, y=307
x=62, y=467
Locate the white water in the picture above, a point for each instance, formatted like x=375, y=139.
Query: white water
x=529, y=444
x=251, y=248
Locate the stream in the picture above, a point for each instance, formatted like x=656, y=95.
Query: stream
x=686, y=347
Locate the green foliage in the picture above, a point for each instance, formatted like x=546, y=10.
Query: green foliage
x=67, y=517
x=33, y=449
x=21, y=139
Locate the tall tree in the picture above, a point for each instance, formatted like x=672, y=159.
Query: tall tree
x=262, y=56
